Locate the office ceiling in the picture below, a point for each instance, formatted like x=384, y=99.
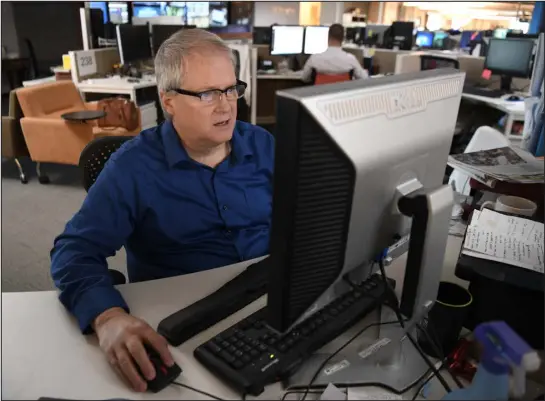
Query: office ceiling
x=474, y=8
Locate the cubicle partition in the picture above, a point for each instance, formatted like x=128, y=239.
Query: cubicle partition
x=88, y=64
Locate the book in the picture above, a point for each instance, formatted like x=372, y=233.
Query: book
x=507, y=239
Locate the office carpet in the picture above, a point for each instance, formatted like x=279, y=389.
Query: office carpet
x=32, y=216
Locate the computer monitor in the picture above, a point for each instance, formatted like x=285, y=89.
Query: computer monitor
x=375, y=33
x=500, y=33
x=287, y=40
x=118, y=12
x=134, y=43
x=337, y=186
x=401, y=35
x=160, y=33
x=355, y=34
x=316, y=39
x=510, y=58
x=147, y=9
x=261, y=35
x=424, y=39
x=100, y=5
x=439, y=39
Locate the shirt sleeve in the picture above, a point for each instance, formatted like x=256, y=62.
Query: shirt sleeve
x=307, y=70
x=359, y=71
x=99, y=229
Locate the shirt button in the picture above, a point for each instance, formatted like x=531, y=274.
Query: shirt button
x=224, y=207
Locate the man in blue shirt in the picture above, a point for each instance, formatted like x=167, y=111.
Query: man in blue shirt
x=192, y=194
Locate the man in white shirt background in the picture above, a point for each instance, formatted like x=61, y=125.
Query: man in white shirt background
x=334, y=60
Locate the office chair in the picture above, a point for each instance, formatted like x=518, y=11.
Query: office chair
x=318, y=78
x=92, y=160
x=428, y=62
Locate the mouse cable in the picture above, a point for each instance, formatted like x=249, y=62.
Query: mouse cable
x=197, y=390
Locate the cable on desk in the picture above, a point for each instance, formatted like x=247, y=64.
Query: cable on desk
x=437, y=349
x=197, y=390
x=339, y=350
x=395, y=307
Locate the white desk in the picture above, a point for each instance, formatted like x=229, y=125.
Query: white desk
x=291, y=75
x=39, y=81
x=513, y=110
x=44, y=354
x=116, y=85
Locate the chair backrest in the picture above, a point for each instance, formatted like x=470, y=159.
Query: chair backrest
x=32, y=57
x=50, y=99
x=95, y=155
x=319, y=78
x=483, y=139
x=428, y=62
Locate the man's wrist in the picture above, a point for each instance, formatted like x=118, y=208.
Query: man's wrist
x=107, y=315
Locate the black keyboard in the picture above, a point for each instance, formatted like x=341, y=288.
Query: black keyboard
x=474, y=90
x=228, y=299
x=250, y=355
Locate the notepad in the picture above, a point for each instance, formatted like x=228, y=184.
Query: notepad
x=507, y=239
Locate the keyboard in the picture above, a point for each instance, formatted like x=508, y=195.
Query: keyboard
x=250, y=355
x=474, y=90
x=228, y=299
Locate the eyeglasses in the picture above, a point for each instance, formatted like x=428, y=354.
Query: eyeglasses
x=214, y=95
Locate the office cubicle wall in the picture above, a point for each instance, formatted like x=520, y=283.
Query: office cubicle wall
x=406, y=63
x=104, y=59
x=385, y=60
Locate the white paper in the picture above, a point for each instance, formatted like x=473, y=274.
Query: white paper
x=367, y=393
x=507, y=239
x=332, y=393
x=87, y=64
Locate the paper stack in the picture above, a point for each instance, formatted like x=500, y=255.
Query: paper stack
x=501, y=164
x=512, y=240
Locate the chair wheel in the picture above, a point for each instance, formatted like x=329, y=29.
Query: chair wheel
x=44, y=179
x=23, y=179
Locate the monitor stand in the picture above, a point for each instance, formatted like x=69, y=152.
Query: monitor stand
x=392, y=361
x=505, y=84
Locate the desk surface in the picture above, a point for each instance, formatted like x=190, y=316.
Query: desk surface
x=44, y=354
x=115, y=83
x=498, y=103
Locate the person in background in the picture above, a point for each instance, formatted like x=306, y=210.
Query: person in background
x=191, y=194
x=334, y=60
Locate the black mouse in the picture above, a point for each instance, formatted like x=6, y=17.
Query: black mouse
x=164, y=375
x=514, y=98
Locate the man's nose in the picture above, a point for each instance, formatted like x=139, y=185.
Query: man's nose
x=222, y=103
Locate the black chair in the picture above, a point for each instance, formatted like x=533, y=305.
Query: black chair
x=92, y=161
x=428, y=62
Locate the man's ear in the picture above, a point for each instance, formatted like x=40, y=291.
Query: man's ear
x=168, y=102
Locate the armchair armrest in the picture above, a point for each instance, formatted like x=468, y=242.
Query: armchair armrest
x=55, y=140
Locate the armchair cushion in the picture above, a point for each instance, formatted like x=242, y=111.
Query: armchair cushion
x=49, y=99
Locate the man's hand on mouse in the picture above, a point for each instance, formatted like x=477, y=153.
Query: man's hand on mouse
x=122, y=337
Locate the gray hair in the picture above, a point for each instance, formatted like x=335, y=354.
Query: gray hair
x=172, y=55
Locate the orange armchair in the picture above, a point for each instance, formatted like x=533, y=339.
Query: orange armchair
x=49, y=137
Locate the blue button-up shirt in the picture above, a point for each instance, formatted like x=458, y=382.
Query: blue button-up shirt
x=173, y=215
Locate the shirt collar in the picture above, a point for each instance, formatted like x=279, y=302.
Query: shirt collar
x=177, y=155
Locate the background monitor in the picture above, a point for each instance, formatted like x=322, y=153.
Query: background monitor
x=261, y=35
x=424, y=39
x=439, y=39
x=160, y=33
x=500, y=33
x=147, y=9
x=355, y=34
x=100, y=5
x=316, y=39
x=218, y=13
x=287, y=40
x=177, y=9
x=375, y=33
x=334, y=201
x=401, y=34
x=118, y=12
x=134, y=43
x=510, y=57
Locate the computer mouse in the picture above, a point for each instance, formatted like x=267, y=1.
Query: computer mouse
x=164, y=375
x=514, y=98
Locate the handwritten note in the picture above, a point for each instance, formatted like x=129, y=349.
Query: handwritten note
x=507, y=239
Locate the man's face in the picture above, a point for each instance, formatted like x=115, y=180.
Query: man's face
x=198, y=122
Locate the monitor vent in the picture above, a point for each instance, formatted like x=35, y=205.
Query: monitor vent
x=393, y=103
x=325, y=182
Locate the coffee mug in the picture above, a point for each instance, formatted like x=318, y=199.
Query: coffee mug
x=512, y=205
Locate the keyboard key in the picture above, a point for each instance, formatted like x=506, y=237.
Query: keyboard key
x=262, y=347
x=237, y=364
x=271, y=341
x=232, y=349
x=225, y=344
x=282, y=347
x=254, y=353
x=227, y=357
x=246, y=348
x=213, y=347
x=334, y=311
x=240, y=344
x=240, y=335
x=238, y=354
x=246, y=359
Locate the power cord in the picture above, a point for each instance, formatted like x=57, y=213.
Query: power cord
x=360, y=332
x=197, y=390
x=409, y=336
